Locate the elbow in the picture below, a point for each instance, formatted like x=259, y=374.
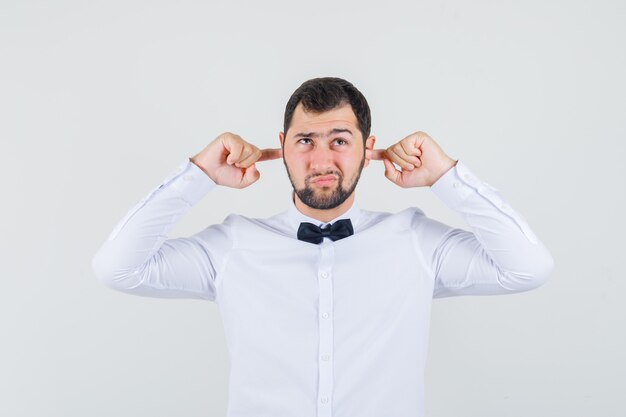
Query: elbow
x=535, y=274
x=98, y=265
x=110, y=276
x=540, y=274
x=101, y=268
x=542, y=268
x=545, y=269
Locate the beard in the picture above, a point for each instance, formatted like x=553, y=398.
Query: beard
x=322, y=199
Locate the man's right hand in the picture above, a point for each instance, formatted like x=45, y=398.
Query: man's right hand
x=230, y=161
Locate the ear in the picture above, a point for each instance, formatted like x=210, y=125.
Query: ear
x=281, y=138
x=369, y=144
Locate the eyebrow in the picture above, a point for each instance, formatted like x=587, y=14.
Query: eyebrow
x=313, y=134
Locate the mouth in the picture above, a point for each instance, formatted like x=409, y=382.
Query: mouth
x=324, y=180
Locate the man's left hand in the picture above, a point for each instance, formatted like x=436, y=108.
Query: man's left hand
x=420, y=158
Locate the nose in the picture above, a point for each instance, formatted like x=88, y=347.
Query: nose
x=321, y=159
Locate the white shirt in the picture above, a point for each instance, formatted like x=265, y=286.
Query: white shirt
x=336, y=329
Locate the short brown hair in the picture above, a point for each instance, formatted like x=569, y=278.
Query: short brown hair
x=326, y=93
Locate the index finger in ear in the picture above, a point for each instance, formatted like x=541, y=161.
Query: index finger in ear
x=268, y=154
x=376, y=154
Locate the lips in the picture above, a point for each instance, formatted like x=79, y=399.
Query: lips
x=324, y=180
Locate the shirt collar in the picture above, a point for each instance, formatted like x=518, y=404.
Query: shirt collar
x=295, y=216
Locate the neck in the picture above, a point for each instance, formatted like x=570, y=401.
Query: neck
x=323, y=215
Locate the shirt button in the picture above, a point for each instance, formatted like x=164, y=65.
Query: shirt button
x=325, y=357
x=456, y=184
x=187, y=177
x=324, y=274
x=325, y=315
x=324, y=400
x=466, y=176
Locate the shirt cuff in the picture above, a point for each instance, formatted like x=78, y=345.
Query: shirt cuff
x=190, y=182
x=460, y=183
x=456, y=185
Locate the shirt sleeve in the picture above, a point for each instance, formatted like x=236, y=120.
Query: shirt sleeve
x=500, y=254
x=138, y=258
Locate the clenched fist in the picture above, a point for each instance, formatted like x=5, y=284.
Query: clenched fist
x=230, y=161
x=420, y=158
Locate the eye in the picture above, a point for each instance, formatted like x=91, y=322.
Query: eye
x=341, y=141
x=307, y=139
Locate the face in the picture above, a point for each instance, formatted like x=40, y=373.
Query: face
x=324, y=155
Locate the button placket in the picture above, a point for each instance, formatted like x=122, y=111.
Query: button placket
x=325, y=320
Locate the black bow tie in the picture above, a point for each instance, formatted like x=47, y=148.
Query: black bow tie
x=315, y=234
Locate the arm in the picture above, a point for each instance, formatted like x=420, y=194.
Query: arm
x=138, y=258
x=501, y=254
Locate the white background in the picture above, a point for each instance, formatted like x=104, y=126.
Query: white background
x=100, y=100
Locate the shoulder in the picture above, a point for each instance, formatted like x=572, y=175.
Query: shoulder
x=401, y=219
x=244, y=225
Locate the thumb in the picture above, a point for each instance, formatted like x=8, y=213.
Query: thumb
x=250, y=176
x=391, y=172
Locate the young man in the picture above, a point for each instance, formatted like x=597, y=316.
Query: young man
x=325, y=306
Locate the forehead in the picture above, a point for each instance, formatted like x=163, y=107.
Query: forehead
x=340, y=117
